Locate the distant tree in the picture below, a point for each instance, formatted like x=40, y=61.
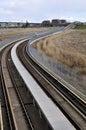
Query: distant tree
x=18, y=24
x=6, y=24
x=27, y=24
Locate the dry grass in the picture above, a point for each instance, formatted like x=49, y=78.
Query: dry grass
x=9, y=32
x=69, y=48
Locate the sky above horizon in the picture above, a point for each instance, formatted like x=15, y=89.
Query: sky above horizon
x=39, y=10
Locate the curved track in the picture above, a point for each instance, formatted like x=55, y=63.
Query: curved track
x=5, y=106
x=15, y=84
x=46, y=105
x=21, y=104
x=66, y=106
x=14, y=104
x=67, y=92
x=68, y=102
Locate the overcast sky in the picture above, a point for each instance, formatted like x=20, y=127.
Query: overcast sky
x=39, y=10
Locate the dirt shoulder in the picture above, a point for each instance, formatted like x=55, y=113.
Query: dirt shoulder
x=68, y=47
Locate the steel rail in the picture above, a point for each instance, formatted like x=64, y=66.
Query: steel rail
x=59, y=83
x=81, y=109
x=19, y=96
x=37, y=69
x=75, y=99
x=9, y=114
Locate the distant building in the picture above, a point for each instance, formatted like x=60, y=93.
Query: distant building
x=10, y=24
x=55, y=22
x=62, y=21
x=46, y=23
x=35, y=24
x=3, y=24
x=18, y=24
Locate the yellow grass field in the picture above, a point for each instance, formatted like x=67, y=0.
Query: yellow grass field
x=9, y=32
x=68, y=47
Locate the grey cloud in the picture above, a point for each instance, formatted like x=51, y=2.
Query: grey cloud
x=41, y=9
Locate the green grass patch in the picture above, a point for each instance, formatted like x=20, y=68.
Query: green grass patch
x=80, y=27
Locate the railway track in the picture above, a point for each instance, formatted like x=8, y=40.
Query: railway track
x=16, y=96
x=11, y=95
x=6, y=112
x=71, y=106
x=21, y=113
x=5, y=106
x=16, y=85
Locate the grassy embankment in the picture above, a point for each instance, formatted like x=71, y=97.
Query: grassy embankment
x=69, y=48
x=80, y=27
